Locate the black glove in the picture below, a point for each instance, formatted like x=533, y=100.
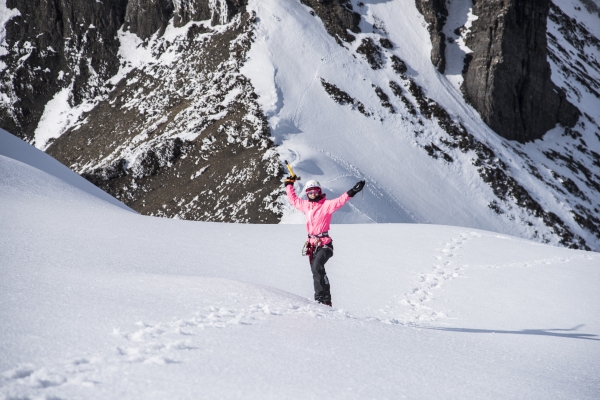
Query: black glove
x=356, y=188
x=289, y=180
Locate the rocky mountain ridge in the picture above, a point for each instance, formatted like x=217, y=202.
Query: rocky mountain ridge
x=506, y=74
x=135, y=129
x=149, y=104
x=508, y=77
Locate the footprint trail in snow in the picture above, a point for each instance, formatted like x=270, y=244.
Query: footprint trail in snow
x=161, y=343
x=445, y=269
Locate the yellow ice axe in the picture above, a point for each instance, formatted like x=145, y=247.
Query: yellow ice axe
x=292, y=174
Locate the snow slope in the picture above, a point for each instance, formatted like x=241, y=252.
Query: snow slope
x=337, y=145
x=15, y=148
x=97, y=302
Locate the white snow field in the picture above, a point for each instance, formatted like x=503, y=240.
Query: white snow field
x=97, y=302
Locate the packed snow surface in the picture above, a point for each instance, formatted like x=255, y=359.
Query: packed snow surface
x=98, y=302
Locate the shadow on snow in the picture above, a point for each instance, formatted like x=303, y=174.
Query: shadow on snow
x=564, y=333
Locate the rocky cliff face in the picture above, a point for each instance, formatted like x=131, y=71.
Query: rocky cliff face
x=147, y=17
x=190, y=141
x=435, y=13
x=338, y=17
x=57, y=44
x=52, y=45
x=164, y=122
x=508, y=76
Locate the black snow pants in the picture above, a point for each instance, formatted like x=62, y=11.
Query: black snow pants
x=317, y=264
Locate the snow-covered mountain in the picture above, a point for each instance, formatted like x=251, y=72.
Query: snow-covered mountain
x=98, y=302
x=186, y=108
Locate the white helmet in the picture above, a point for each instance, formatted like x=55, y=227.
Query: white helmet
x=312, y=184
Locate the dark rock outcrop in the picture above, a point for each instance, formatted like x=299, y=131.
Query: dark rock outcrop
x=384, y=99
x=398, y=65
x=51, y=44
x=372, y=53
x=146, y=17
x=74, y=41
x=435, y=13
x=182, y=138
x=507, y=79
x=343, y=98
x=338, y=17
x=175, y=139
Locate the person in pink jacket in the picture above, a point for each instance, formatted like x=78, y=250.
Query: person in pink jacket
x=319, y=246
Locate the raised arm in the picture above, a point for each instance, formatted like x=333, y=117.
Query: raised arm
x=300, y=204
x=335, y=204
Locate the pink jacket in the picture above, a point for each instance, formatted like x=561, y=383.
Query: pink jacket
x=318, y=213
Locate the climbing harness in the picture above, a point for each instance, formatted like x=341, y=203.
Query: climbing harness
x=309, y=248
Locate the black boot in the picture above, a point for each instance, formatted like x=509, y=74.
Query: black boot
x=326, y=302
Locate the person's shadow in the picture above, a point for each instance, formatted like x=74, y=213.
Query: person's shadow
x=564, y=333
